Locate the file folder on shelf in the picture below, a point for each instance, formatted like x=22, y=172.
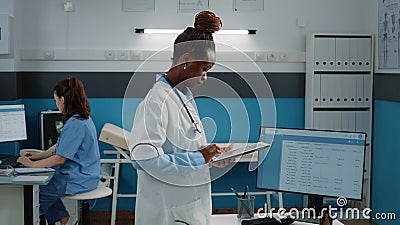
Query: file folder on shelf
x=360, y=89
x=317, y=90
x=331, y=54
x=364, y=53
x=319, y=53
x=348, y=121
x=324, y=90
x=354, y=58
x=367, y=90
x=337, y=98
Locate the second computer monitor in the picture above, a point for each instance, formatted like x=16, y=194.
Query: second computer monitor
x=325, y=163
x=12, y=123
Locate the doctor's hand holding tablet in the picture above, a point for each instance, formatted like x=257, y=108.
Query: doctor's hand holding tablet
x=213, y=150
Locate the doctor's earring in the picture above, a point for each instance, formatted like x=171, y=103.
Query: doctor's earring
x=184, y=66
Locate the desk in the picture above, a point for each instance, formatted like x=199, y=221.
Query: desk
x=20, y=199
x=231, y=219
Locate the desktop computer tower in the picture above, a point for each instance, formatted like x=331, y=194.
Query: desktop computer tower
x=50, y=126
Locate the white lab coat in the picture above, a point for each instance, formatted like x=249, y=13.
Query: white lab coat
x=173, y=180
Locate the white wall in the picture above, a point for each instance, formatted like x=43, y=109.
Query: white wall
x=102, y=25
x=11, y=62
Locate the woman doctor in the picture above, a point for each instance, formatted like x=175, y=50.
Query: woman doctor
x=167, y=142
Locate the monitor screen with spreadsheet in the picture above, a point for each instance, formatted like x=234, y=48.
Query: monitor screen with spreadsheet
x=12, y=123
x=324, y=163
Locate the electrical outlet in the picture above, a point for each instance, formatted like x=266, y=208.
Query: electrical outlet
x=283, y=57
x=123, y=55
x=261, y=56
x=109, y=55
x=272, y=57
x=48, y=54
x=68, y=7
x=135, y=55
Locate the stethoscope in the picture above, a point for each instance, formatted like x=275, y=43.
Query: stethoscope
x=196, y=126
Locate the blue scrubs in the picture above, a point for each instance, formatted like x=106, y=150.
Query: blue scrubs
x=81, y=171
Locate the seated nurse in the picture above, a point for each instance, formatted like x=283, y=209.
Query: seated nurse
x=75, y=156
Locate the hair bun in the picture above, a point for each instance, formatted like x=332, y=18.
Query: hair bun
x=207, y=21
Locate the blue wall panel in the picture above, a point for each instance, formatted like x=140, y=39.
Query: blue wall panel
x=386, y=157
x=225, y=122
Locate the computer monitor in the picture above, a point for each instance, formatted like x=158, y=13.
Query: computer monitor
x=12, y=123
x=315, y=162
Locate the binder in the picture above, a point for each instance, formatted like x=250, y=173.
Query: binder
x=344, y=126
x=333, y=120
x=364, y=52
x=353, y=53
x=330, y=120
x=346, y=53
x=316, y=120
x=336, y=120
x=337, y=98
x=324, y=89
x=360, y=90
x=331, y=53
x=318, y=53
x=331, y=89
x=323, y=120
x=362, y=122
x=348, y=122
x=317, y=90
x=339, y=53
x=324, y=51
x=367, y=90
x=352, y=89
x=345, y=90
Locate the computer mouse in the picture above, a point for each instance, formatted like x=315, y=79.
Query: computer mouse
x=287, y=220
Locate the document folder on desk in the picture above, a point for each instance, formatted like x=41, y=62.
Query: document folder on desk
x=33, y=179
x=33, y=170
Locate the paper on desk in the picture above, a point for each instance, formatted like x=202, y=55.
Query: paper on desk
x=30, y=178
x=337, y=222
x=33, y=170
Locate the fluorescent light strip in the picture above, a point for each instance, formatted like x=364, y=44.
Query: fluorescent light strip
x=162, y=31
x=178, y=31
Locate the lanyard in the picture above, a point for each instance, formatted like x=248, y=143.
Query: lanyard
x=196, y=126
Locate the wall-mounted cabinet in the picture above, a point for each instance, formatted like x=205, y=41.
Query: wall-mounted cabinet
x=339, y=78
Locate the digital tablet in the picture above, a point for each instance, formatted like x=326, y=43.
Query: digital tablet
x=240, y=149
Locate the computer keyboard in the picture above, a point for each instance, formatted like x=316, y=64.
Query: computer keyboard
x=268, y=221
x=261, y=221
x=8, y=160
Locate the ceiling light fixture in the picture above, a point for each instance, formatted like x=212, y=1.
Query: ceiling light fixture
x=177, y=31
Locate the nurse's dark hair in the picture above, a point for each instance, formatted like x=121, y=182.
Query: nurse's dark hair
x=205, y=24
x=75, y=99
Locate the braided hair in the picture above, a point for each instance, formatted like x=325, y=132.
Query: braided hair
x=205, y=24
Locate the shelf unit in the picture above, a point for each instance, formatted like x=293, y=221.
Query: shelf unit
x=339, y=81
